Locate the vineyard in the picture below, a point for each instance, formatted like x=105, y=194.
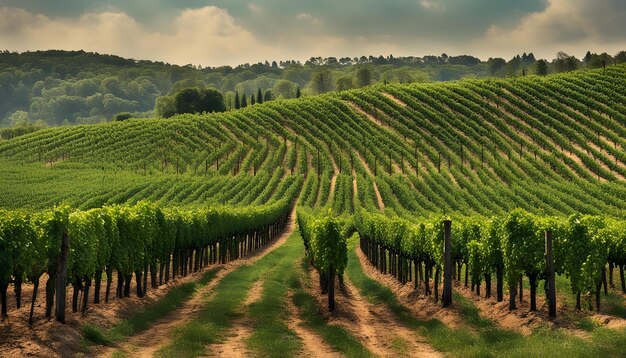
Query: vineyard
x=370, y=177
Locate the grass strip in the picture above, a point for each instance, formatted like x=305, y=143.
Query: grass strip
x=214, y=320
x=272, y=337
x=141, y=320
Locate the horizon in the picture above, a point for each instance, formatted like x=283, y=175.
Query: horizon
x=220, y=33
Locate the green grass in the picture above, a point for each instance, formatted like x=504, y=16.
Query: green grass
x=95, y=334
x=212, y=323
x=400, y=346
x=140, y=321
x=272, y=337
x=480, y=337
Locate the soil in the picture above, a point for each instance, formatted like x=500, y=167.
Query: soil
x=394, y=99
x=422, y=307
x=313, y=345
x=523, y=321
x=374, y=325
x=149, y=341
x=52, y=339
x=366, y=114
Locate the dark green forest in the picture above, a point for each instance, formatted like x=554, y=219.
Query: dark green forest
x=52, y=88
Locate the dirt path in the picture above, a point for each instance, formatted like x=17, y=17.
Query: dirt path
x=333, y=183
x=374, y=325
x=379, y=329
x=394, y=99
x=367, y=115
x=422, y=307
x=240, y=330
x=146, y=343
x=313, y=345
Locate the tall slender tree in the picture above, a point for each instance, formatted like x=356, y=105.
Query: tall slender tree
x=259, y=96
x=298, y=94
x=244, y=102
x=252, y=100
x=237, y=103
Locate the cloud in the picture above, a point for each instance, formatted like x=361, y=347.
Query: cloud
x=305, y=16
x=255, y=8
x=207, y=36
x=574, y=26
x=234, y=32
x=433, y=5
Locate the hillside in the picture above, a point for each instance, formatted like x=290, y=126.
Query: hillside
x=550, y=144
x=202, y=210
x=50, y=88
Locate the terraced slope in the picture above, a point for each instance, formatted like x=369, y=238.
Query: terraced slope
x=546, y=144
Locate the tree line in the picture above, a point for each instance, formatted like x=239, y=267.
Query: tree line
x=51, y=88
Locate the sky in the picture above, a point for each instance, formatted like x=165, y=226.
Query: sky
x=231, y=32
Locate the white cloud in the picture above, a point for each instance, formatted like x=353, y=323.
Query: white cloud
x=207, y=36
x=573, y=26
x=305, y=16
x=432, y=5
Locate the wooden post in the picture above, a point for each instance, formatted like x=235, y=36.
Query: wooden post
x=550, y=270
x=447, y=264
x=62, y=278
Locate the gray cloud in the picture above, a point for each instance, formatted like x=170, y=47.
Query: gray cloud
x=235, y=31
x=574, y=26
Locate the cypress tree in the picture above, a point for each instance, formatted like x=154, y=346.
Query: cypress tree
x=237, y=104
x=259, y=96
x=244, y=102
x=298, y=94
x=252, y=100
